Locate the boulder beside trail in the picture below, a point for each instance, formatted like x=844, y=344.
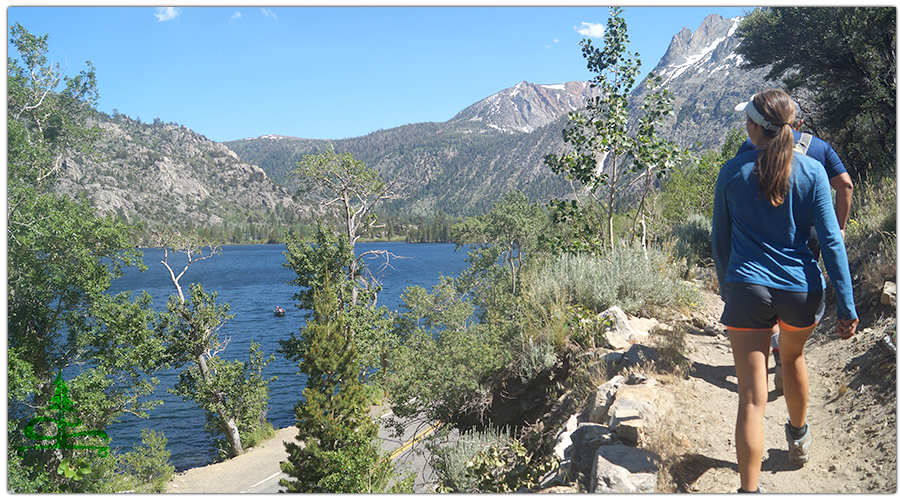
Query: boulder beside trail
x=600, y=446
x=624, y=469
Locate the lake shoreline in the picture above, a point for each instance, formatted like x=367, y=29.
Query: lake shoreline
x=252, y=279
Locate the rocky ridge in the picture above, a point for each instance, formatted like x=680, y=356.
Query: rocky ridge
x=704, y=77
x=167, y=173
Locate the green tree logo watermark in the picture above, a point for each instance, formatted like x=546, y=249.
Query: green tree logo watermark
x=62, y=404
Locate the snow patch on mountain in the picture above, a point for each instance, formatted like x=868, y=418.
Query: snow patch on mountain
x=698, y=59
x=686, y=62
x=705, y=79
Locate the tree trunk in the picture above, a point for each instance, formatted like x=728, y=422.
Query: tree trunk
x=231, y=432
x=228, y=424
x=610, y=209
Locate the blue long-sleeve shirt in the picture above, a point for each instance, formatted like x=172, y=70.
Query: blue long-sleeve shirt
x=754, y=242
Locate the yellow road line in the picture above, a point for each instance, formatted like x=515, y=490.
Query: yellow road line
x=418, y=437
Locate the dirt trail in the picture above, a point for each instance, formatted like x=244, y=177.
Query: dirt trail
x=851, y=412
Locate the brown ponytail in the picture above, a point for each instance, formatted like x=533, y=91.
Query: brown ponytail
x=775, y=154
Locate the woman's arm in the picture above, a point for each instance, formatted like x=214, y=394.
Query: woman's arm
x=721, y=232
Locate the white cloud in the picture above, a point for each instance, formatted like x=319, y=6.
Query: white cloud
x=269, y=13
x=166, y=13
x=591, y=30
x=235, y=17
x=556, y=40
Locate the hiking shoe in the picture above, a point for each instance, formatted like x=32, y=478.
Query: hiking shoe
x=779, y=377
x=798, y=449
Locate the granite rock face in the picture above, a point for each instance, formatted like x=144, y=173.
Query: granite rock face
x=166, y=173
x=704, y=76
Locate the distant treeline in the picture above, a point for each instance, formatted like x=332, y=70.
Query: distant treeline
x=435, y=229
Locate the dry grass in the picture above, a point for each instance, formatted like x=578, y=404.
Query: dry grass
x=671, y=345
x=669, y=440
x=669, y=437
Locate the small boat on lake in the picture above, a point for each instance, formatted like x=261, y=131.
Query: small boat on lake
x=279, y=311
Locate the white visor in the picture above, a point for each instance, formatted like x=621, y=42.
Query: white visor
x=755, y=115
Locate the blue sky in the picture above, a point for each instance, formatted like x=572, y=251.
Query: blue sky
x=233, y=72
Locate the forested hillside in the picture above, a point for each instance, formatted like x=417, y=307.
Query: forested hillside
x=459, y=168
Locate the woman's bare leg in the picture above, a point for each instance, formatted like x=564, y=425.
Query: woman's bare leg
x=793, y=367
x=751, y=356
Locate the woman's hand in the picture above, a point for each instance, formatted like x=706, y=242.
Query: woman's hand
x=846, y=327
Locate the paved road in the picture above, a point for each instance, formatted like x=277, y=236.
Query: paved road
x=408, y=452
x=258, y=470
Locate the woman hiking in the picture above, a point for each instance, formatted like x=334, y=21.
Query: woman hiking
x=765, y=202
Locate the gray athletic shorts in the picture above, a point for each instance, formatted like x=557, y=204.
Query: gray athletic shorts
x=757, y=307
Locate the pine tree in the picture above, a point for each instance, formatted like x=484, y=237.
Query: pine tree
x=340, y=453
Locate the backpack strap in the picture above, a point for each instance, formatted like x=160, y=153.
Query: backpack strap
x=803, y=144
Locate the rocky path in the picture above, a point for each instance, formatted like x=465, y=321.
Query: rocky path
x=852, y=414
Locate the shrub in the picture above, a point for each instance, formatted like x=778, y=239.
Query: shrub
x=445, y=378
x=24, y=478
x=544, y=331
x=258, y=434
x=508, y=467
x=874, y=209
x=551, y=315
x=149, y=464
x=442, y=366
x=537, y=355
x=640, y=282
x=871, y=232
x=690, y=190
x=449, y=459
x=693, y=240
x=487, y=461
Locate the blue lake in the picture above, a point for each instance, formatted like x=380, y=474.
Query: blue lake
x=252, y=279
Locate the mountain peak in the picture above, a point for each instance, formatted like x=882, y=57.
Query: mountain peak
x=704, y=76
x=527, y=106
x=713, y=42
